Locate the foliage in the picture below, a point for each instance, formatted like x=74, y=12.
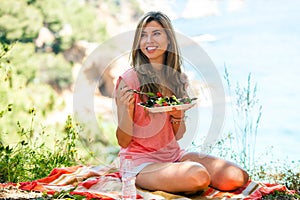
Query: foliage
x=29, y=149
x=18, y=21
x=6, y=73
x=99, y=145
x=19, y=95
x=39, y=68
x=82, y=17
x=246, y=117
x=30, y=159
x=281, y=195
x=24, y=150
x=68, y=20
x=281, y=171
x=31, y=78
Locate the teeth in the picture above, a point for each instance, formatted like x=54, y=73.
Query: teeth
x=151, y=48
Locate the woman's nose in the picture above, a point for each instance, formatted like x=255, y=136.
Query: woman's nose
x=149, y=39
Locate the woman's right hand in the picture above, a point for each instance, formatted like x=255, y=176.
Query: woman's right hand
x=126, y=97
x=125, y=109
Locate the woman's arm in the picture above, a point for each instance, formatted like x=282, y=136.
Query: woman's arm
x=178, y=116
x=178, y=123
x=125, y=109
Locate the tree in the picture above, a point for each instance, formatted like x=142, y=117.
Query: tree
x=18, y=21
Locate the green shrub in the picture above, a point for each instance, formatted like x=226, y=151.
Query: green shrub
x=40, y=68
x=19, y=95
x=284, y=172
x=31, y=158
x=18, y=21
x=27, y=152
x=281, y=195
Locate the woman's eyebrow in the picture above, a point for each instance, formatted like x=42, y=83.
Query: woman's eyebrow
x=156, y=30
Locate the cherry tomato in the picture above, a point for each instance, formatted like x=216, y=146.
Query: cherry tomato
x=158, y=94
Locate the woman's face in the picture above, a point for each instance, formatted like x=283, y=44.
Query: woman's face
x=154, y=42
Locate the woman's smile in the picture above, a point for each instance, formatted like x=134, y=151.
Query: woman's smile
x=151, y=49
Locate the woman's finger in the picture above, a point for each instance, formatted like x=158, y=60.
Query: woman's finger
x=176, y=113
x=127, y=98
x=132, y=99
x=124, y=90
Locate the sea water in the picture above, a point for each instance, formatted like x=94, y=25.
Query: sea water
x=262, y=38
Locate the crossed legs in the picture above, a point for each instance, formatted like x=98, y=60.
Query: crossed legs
x=193, y=173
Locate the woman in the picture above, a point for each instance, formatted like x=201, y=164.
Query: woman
x=151, y=138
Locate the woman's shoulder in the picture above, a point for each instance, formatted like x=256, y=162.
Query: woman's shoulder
x=130, y=77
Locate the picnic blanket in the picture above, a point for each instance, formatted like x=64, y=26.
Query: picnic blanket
x=104, y=182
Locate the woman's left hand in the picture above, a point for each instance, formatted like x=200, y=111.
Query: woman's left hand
x=177, y=114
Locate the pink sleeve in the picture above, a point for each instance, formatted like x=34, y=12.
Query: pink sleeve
x=130, y=78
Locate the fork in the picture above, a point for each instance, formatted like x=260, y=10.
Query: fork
x=149, y=94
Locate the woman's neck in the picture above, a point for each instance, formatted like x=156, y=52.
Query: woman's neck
x=157, y=67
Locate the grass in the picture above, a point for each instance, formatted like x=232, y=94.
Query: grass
x=281, y=195
x=246, y=115
x=31, y=159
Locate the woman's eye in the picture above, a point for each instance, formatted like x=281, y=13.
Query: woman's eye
x=143, y=35
x=156, y=33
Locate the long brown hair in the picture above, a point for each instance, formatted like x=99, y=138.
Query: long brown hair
x=172, y=69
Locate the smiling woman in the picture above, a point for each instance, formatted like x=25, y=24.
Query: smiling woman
x=151, y=139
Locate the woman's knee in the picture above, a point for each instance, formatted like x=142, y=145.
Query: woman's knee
x=234, y=180
x=243, y=178
x=198, y=178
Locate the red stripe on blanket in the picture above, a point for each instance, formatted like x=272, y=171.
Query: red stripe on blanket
x=89, y=195
x=4, y=185
x=115, y=174
x=90, y=183
x=35, y=186
x=57, y=172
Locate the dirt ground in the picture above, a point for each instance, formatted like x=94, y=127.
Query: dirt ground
x=12, y=192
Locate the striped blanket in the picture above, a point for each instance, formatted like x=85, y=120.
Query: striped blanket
x=103, y=182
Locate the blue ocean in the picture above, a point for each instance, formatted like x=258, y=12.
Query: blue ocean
x=261, y=38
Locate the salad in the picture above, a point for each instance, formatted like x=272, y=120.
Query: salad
x=159, y=100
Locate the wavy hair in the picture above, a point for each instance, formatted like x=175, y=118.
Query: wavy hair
x=149, y=81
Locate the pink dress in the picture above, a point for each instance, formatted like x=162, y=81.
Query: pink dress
x=153, y=138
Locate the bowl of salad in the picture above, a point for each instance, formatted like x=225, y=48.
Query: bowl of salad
x=159, y=103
